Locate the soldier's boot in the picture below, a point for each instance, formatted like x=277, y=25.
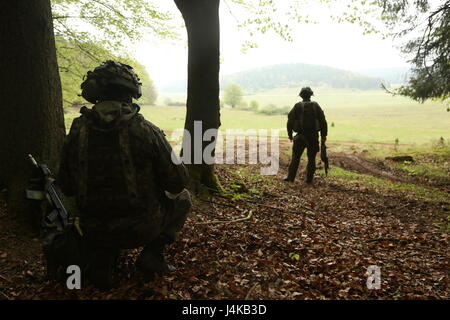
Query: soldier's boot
x=103, y=268
x=152, y=259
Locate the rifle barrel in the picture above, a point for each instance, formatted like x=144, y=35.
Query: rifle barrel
x=57, y=203
x=33, y=161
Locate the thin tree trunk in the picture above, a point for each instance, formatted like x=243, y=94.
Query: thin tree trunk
x=202, y=23
x=32, y=119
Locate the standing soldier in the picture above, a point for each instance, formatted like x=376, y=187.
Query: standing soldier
x=118, y=167
x=306, y=118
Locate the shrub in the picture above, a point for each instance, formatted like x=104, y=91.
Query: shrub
x=168, y=102
x=254, y=105
x=248, y=107
x=272, y=110
x=243, y=105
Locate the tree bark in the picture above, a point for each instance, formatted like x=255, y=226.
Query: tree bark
x=202, y=24
x=32, y=119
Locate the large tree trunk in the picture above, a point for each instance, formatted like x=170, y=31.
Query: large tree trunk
x=202, y=23
x=32, y=119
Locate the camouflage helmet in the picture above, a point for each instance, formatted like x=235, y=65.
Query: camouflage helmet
x=109, y=75
x=306, y=91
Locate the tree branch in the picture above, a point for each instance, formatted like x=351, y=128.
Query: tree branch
x=248, y=217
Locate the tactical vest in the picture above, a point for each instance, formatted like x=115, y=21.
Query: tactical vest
x=306, y=117
x=107, y=184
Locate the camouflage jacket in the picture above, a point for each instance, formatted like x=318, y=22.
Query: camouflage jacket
x=307, y=117
x=117, y=164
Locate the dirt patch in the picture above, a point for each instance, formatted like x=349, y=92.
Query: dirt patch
x=352, y=162
x=361, y=165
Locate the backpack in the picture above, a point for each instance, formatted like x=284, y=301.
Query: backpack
x=306, y=117
x=107, y=183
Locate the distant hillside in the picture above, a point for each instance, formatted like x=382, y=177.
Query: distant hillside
x=388, y=75
x=290, y=76
x=296, y=75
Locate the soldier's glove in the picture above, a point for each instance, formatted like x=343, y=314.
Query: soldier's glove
x=291, y=138
x=323, y=139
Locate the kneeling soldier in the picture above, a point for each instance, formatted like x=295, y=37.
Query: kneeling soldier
x=118, y=167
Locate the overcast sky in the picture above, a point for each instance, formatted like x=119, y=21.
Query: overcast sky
x=327, y=43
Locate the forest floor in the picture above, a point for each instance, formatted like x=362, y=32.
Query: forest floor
x=268, y=239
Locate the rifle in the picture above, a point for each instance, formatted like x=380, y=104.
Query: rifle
x=58, y=215
x=324, y=157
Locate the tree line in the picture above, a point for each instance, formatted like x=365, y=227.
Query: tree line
x=297, y=75
x=73, y=63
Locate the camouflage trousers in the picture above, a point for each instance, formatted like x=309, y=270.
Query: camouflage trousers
x=142, y=229
x=96, y=249
x=310, y=142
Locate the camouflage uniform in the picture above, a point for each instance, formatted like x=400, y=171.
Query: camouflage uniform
x=118, y=166
x=307, y=119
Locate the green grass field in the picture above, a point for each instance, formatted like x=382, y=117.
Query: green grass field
x=358, y=116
